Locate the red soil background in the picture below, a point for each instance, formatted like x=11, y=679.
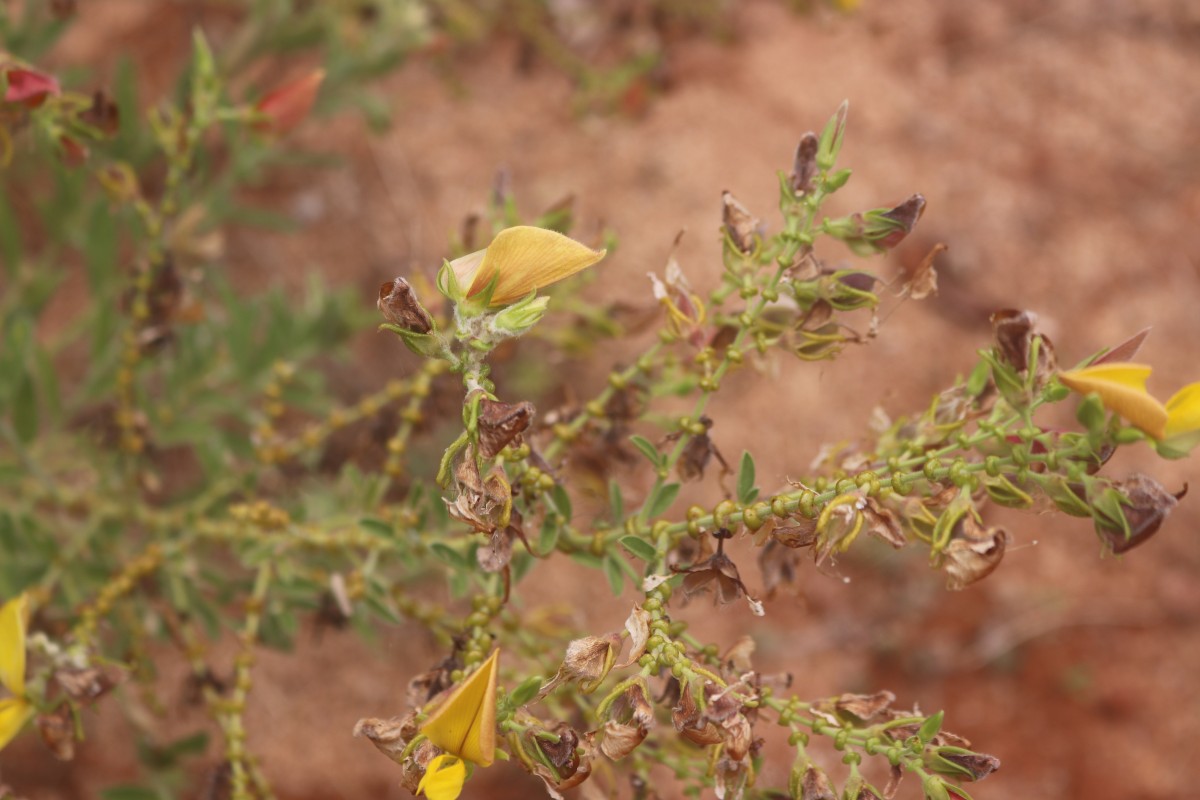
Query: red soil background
x=1056, y=144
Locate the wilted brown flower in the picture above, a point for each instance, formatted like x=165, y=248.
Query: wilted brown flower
x=1014, y=333
x=973, y=552
x=399, y=305
x=718, y=573
x=804, y=165
x=742, y=226
x=690, y=720
x=58, y=732
x=501, y=424
x=697, y=452
x=1147, y=504
x=963, y=763
x=629, y=721
x=864, y=706
x=816, y=785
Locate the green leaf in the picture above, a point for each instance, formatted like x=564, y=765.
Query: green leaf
x=661, y=500
x=447, y=555
x=130, y=793
x=525, y=692
x=562, y=503
x=616, y=577
x=616, y=501
x=24, y=410
x=548, y=536
x=639, y=547
x=930, y=727
x=745, y=479
x=378, y=527
x=978, y=379
x=647, y=449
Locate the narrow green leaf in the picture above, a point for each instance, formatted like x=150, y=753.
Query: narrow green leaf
x=639, y=547
x=661, y=500
x=548, y=536
x=24, y=410
x=129, y=793
x=746, y=478
x=378, y=527
x=930, y=727
x=525, y=692
x=562, y=503
x=447, y=555
x=616, y=501
x=647, y=449
x=612, y=571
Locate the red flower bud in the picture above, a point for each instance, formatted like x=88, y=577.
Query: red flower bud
x=28, y=87
x=287, y=106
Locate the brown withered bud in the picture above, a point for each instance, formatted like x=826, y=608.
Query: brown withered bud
x=563, y=754
x=428, y=685
x=864, y=706
x=501, y=424
x=922, y=281
x=399, y=305
x=557, y=779
x=973, y=552
x=905, y=215
x=1014, y=333
x=1147, y=505
x=737, y=736
x=86, y=685
x=966, y=764
x=804, y=165
x=742, y=226
x=103, y=114
x=802, y=534
x=390, y=736
x=816, y=785
x=589, y=660
x=690, y=720
x=697, y=453
x=57, y=728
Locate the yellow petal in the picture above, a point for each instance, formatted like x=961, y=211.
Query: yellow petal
x=528, y=258
x=465, y=725
x=1183, y=410
x=1122, y=388
x=12, y=644
x=443, y=778
x=14, y=713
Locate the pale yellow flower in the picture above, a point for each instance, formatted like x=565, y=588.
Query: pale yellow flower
x=443, y=778
x=16, y=710
x=521, y=260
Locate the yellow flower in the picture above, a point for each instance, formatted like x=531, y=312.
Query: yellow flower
x=444, y=778
x=15, y=711
x=521, y=260
x=465, y=727
x=1121, y=388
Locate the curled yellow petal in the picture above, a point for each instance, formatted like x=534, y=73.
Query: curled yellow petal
x=443, y=778
x=1121, y=388
x=14, y=713
x=522, y=259
x=465, y=724
x=12, y=644
x=1183, y=410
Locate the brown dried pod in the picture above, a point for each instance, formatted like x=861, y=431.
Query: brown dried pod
x=742, y=226
x=976, y=766
x=501, y=424
x=563, y=754
x=399, y=305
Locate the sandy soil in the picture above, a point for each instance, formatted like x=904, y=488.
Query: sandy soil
x=1056, y=146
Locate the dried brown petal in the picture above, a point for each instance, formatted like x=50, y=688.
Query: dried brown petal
x=428, y=685
x=589, y=660
x=883, y=523
x=1126, y=350
x=737, y=736
x=563, y=754
x=620, y=740
x=88, y=684
x=390, y=736
x=730, y=778
x=923, y=280
x=893, y=785
x=500, y=424
x=737, y=658
x=865, y=706
x=399, y=305
x=802, y=534
x=973, y=552
x=495, y=555
x=740, y=224
x=638, y=626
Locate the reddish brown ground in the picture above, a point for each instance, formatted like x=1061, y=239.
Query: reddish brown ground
x=1056, y=145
